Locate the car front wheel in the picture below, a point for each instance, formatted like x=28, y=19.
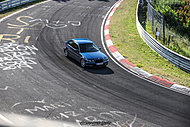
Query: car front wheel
x=82, y=63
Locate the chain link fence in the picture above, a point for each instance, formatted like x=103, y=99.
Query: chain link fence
x=170, y=37
x=156, y=20
x=174, y=58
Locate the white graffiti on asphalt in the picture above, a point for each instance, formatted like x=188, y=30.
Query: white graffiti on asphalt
x=18, y=103
x=57, y=24
x=69, y=111
x=13, y=56
x=5, y=89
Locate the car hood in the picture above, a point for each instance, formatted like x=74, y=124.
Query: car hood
x=94, y=55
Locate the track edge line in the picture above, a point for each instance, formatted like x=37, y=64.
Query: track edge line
x=127, y=66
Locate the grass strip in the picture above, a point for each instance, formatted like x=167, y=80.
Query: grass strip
x=127, y=40
x=14, y=9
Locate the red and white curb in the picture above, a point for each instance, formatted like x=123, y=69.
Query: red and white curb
x=130, y=66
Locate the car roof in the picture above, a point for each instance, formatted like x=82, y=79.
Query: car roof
x=82, y=40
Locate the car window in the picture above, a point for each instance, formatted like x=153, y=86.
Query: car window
x=70, y=43
x=88, y=47
x=73, y=44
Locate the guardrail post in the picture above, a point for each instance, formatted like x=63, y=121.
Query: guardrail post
x=152, y=20
x=0, y=7
x=148, y=11
x=9, y=4
x=163, y=23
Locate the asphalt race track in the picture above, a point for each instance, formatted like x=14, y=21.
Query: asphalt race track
x=51, y=86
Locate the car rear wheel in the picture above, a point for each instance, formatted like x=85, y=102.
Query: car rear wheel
x=66, y=52
x=82, y=63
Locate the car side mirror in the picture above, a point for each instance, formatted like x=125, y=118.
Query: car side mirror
x=100, y=48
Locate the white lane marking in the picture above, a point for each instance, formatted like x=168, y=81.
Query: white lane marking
x=6, y=120
x=130, y=71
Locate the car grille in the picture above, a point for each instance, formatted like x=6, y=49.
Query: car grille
x=99, y=61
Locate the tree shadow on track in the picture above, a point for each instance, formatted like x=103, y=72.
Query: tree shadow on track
x=95, y=69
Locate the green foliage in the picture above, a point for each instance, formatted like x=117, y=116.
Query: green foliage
x=175, y=12
x=177, y=17
x=136, y=50
x=183, y=11
x=139, y=65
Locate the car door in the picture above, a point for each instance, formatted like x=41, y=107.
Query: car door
x=71, y=49
x=76, y=52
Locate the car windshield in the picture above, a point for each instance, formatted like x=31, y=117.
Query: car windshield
x=88, y=47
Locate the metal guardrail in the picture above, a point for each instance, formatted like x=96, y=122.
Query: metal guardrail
x=12, y=3
x=176, y=59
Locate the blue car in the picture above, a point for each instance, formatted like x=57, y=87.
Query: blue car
x=85, y=52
